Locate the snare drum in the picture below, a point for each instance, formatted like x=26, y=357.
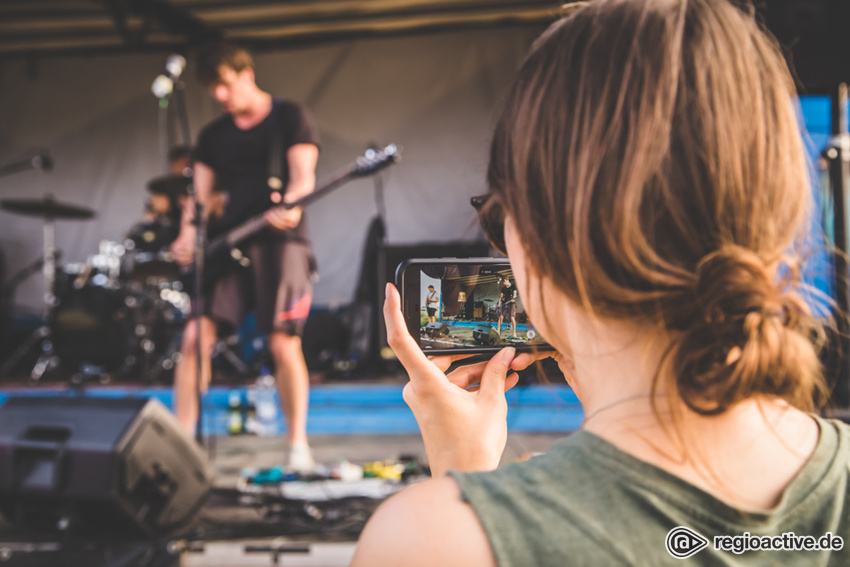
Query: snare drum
x=152, y=268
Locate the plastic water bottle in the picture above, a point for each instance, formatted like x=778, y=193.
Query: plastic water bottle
x=251, y=424
x=235, y=423
x=267, y=411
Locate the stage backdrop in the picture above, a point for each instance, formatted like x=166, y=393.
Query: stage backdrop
x=436, y=95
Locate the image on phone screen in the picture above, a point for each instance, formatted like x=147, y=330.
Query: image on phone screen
x=468, y=306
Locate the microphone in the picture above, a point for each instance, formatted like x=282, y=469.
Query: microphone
x=163, y=85
x=42, y=161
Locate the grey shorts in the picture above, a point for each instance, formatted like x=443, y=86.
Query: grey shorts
x=278, y=285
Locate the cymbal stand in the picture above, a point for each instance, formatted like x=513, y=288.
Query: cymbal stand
x=47, y=358
x=25, y=273
x=49, y=267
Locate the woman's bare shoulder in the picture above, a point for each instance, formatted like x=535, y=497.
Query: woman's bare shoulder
x=424, y=524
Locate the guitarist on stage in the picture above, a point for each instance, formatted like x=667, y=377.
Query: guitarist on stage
x=239, y=152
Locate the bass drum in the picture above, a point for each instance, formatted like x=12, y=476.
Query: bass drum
x=90, y=324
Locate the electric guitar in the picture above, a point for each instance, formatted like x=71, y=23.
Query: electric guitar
x=224, y=250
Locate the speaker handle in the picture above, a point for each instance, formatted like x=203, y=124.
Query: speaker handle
x=31, y=455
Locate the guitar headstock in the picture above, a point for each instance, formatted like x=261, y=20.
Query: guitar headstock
x=375, y=160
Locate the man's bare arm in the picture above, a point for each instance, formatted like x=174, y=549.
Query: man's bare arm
x=301, y=159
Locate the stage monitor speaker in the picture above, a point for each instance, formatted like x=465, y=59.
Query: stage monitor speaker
x=485, y=335
x=101, y=465
x=436, y=330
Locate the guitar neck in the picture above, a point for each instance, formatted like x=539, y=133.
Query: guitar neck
x=327, y=185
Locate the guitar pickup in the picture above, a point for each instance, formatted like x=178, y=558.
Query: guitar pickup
x=237, y=255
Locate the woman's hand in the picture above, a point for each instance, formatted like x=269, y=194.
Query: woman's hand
x=464, y=427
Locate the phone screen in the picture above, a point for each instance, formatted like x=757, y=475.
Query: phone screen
x=465, y=305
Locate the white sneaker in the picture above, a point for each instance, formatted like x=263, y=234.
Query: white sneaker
x=300, y=458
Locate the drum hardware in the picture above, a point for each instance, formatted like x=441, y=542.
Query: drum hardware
x=158, y=314
x=24, y=274
x=118, y=313
x=89, y=373
x=50, y=210
x=39, y=341
x=226, y=349
x=47, y=208
x=489, y=312
x=167, y=360
x=107, y=264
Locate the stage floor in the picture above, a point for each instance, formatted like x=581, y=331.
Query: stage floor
x=231, y=454
x=361, y=423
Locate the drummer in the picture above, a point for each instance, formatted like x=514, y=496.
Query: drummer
x=161, y=221
x=169, y=192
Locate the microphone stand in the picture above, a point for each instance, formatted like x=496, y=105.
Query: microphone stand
x=200, y=244
x=200, y=238
x=41, y=161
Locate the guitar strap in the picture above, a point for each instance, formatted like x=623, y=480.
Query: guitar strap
x=275, y=180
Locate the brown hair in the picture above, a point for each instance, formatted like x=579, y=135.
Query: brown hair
x=650, y=156
x=213, y=55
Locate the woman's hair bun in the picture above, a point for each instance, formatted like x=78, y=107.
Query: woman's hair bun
x=746, y=336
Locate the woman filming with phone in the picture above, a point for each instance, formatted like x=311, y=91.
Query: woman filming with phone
x=649, y=185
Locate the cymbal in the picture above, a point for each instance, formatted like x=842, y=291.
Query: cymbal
x=171, y=185
x=46, y=207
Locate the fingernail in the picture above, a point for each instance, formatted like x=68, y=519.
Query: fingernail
x=387, y=290
x=508, y=354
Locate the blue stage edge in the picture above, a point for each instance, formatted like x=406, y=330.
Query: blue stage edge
x=355, y=409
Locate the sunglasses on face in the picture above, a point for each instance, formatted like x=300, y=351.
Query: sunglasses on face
x=491, y=215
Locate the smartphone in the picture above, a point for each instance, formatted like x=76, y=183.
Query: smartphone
x=465, y=305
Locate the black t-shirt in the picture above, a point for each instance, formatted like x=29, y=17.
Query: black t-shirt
x=240, y=160
x=508, y=295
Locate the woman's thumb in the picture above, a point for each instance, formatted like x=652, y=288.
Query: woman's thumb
x=496, y=371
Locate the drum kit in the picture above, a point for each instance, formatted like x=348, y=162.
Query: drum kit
x=119, y=313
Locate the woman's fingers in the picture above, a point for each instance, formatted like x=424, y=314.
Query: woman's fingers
x=444, y=362
x=526, y=359
x=408, y=352
x=511, y=381
x=465, y=376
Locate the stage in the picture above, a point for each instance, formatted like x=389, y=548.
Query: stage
x=352, y=409
x=309, y=522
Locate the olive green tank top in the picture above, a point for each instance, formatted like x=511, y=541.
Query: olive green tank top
x=586, y=502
